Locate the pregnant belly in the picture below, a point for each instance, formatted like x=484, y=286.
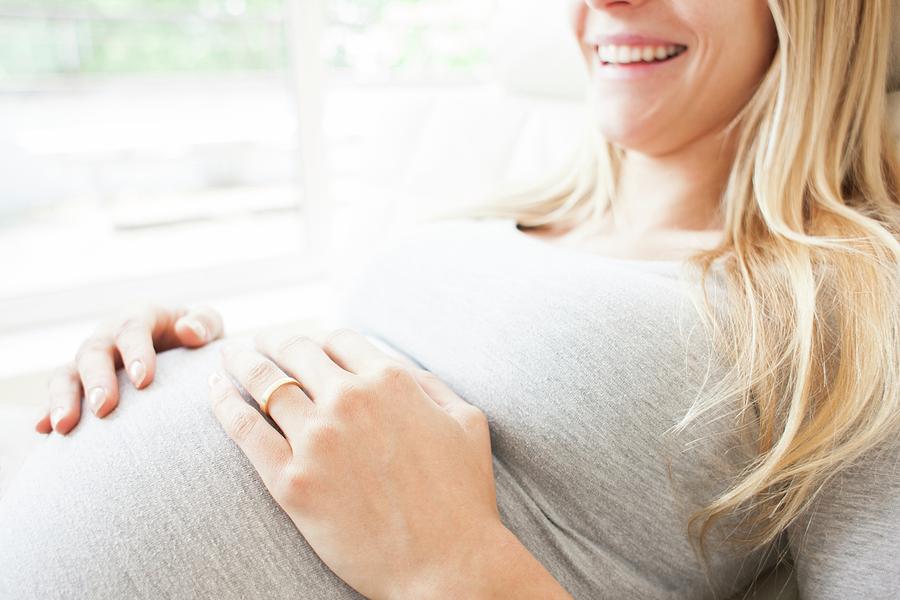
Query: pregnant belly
x=153, y=502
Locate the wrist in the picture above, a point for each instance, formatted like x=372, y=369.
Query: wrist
x=494, y=564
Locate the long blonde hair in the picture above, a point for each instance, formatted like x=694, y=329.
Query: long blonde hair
x=810, y=257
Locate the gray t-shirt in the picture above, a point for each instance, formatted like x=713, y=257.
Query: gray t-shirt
x=582, y=364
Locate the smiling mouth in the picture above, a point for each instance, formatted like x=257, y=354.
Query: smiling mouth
x=625, y=55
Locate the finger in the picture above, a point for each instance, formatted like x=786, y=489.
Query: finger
x=471, y=418
x=331, y=340
x=357, y=354
x=344, y=347
x=441, y=393
x=43, y=425
x=267, y=451
x=199, y=326
x=96, y=366
x=288, y=405
x=134, y=340
x=64, y=388
x=302, y=358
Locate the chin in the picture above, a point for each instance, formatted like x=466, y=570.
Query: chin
x=645, y=127
x=625, y=131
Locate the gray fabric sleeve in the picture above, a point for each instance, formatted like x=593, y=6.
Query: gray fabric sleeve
x=846, y=545
x=153, y=502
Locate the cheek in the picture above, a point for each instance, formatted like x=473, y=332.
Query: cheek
x=731, y=68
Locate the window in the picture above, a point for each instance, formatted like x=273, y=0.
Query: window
x=436, y=41
x=146, y=145
x=176, y=148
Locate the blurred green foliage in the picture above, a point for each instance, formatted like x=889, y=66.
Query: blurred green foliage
x=41, y=38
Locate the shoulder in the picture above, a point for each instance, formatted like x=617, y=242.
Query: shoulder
x=846, y=545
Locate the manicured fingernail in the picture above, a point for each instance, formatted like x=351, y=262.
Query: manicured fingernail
x=198, y=328
x=96, y=399
x=137, y=372
x=214, y=380
x=56, y=416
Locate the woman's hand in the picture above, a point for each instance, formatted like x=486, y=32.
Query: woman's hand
x=385, y=471
x=132, y=339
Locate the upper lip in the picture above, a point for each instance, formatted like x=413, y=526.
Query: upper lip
x=630, y=39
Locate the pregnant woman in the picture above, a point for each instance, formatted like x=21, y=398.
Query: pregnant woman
x=657, y=376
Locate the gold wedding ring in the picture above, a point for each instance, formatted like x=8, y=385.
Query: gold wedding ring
x=264, y=400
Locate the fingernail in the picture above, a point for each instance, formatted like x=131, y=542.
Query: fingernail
x=214, y=379
x=96, y=399
x=56, y=416
x=137, y=372
x=198, y=328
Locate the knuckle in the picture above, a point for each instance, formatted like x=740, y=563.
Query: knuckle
x=65, y=372
x=295, y=483
x=350, y=386
x=260, y=372
x=476, y=420
x=292, y=343
x=218, y=397
x=91, y=345
x=241, y=425
x=428, y=376
x=341, y=332
x=344, y=409
x=393, y=375
x=347, y=398
x=128, y=325
x=477, y=417
x=134, y=310
x=346, y=389
x=321, y=438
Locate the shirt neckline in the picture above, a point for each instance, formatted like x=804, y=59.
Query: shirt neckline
x=510, y=224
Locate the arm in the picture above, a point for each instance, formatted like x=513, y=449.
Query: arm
x=848, y=544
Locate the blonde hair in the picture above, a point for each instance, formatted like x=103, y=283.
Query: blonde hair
x=810, y=257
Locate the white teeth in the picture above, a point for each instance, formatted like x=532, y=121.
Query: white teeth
x=624, y=55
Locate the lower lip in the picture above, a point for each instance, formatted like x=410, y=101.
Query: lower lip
x=633, y=70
